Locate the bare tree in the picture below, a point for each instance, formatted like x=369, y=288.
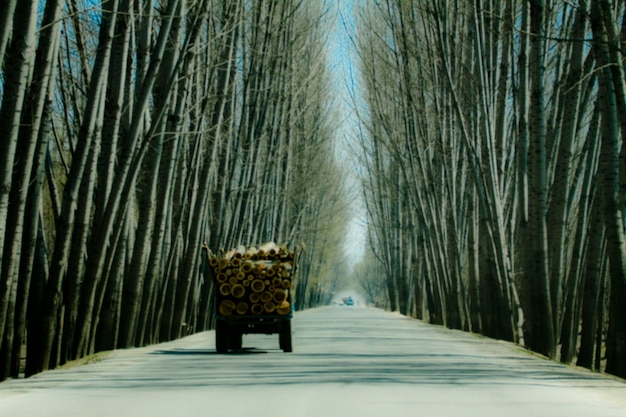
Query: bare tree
x=480, y=126
x=29, y=149
x=7, y=10
x=611, y=82
x=21, y=55
x=64, y=229
x=202, y=124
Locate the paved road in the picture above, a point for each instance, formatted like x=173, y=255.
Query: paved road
x=348, y=361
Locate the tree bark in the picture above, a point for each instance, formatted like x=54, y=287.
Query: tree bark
x=610, y=192
x=20, y=57
x=7, y=12
x=591, y=292
x=65, y=226
x=538, y=307
x=30, y=145
x=117, y=205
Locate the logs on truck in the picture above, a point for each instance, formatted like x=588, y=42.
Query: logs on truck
x=254, y=281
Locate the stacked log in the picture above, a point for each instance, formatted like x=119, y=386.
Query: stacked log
x=254, y=281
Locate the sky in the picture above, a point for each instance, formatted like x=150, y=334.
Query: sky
x=344, y=71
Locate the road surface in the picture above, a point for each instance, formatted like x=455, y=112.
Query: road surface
x=347, y=361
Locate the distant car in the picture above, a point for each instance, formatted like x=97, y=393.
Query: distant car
x=349, y=301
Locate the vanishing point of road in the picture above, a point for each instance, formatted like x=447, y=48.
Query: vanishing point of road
x=347, y=361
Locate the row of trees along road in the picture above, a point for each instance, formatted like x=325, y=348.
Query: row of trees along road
x=136, y=137
x=494, y=171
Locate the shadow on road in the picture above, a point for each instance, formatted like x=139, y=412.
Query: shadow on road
x=244, y=351
x=205, y=367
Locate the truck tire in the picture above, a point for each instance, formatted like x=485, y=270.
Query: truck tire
x=284, y=337
x=221, y=336
x=236, y=340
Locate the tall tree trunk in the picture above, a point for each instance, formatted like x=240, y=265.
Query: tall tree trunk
x=561, y=210
x=132, y=296
x=30, y=143
x=7, y=10
x=163, y=223
x=608, y=174
x=34, y=346
x=20, y=58
x=590, y=257
x=65, y=226
x=117, y=205
x=538, y=310
x=75, y=275
x=167, y=176
x=592, y=287
x=109, y=318
x=219, y=138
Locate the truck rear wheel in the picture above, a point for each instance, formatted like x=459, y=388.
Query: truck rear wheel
x=236, y=340
x=221, y=336
x=284, y=337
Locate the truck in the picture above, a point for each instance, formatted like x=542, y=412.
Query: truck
x=253, y=294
